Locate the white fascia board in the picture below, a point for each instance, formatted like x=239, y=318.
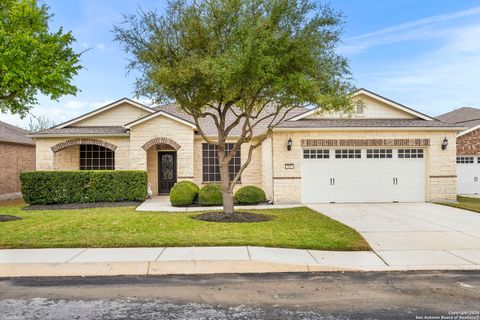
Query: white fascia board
x=468, y=130
x=160, y=113
x=371, y=129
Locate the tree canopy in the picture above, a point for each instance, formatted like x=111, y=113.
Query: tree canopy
x=215, y=57
x=33, y=59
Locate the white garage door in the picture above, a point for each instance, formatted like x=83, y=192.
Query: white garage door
x=363, y=175
x=468, y=174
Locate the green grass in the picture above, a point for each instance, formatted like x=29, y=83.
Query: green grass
x=125, y=227
x=472, y=204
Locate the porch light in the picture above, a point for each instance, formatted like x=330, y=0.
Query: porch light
x=289, y=144
x=445, y=144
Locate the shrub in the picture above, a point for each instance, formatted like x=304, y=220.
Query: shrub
x=52, y=187
x=210, y=195
x=250, y=195
x=183, y=193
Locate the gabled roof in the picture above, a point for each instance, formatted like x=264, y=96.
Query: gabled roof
x=13, y=134
x=104, y=108
x=164, y=113
x=376, y=97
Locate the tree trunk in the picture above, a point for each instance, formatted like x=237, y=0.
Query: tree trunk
x=227, y=196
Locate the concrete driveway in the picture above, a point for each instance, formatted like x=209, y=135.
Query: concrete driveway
x=413, y=234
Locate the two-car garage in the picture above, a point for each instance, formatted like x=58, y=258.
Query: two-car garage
x=363, y=175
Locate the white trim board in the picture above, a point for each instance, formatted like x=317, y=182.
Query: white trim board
x=160, y=113
x=468, y=130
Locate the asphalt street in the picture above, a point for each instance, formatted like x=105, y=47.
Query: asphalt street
x=349, y=295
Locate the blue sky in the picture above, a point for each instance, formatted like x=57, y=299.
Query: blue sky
x=421, y=53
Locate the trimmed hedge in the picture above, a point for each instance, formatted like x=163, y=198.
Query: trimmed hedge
x=250, y=195
x=183, y=193
x=210, y=195
x=52, y=187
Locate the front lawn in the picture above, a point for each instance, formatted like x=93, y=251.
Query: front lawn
x=467, y=203
x=125, y=227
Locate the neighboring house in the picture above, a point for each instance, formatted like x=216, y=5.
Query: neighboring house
x=17, y=154
x=382, y=152
x=468, y=148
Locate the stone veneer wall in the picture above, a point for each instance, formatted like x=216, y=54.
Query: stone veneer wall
x=47, y=159
x=157, y=128
x=152, y=168
x=67, y=159
x=469, y=144
x=441, y=165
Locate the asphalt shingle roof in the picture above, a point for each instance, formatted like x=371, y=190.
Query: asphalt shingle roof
x=363, y=123
x=466, y=116
x=12, y=134
x=85, y=130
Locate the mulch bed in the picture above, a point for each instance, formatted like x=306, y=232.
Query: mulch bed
x=7, y=217
x=234, y=217
x=68, y=206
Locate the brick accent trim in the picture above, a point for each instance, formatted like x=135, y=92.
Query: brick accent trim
x=365, y=142
x=161, y=140
x=186, y=177
x=442, y=177
x=286, y=178
x=75, y=142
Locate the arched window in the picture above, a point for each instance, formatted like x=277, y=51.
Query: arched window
x=359, y=107
x=94, y=157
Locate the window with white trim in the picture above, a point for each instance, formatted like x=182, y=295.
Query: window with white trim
x=316, y=154
x=348, y=154
x=359, y=107
x=410, y=153
x=379, y=153
x=466, y=160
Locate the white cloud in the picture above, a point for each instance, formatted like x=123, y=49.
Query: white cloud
x=425, y=28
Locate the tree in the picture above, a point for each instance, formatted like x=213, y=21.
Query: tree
x=216, y=58
x=32, y=59
x=39, y=123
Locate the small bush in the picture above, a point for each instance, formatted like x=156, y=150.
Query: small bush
x=183, y=193
x=210, y=195
x=250, y=195
x=57, y=187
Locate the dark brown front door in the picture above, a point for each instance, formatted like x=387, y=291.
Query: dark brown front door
x=167, y=171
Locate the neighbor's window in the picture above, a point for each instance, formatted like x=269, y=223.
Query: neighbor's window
x=210, y=166
x=93, y=157
x=465, y=159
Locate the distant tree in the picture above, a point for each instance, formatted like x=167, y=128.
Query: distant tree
x=39, y=123
x=32, y=58
x=219, y=57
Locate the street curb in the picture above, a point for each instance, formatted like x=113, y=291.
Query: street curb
x=186, y=268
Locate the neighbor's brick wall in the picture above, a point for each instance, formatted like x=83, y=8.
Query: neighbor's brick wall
x=469, y=144
x=14, y=158
x=117, y=116
x=47, y=159
x=441, y=165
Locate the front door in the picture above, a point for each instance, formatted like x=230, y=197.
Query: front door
x=167, y=171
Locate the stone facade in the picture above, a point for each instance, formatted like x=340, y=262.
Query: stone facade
x=118, y=116
x=469, y=144
x=14, y=159
x=441, y=166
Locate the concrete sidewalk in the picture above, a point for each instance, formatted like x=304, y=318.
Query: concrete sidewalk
x=162, y=203
x=197, y=260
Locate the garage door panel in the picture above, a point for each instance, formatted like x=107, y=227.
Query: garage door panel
x=362, y=179
x=468, y=175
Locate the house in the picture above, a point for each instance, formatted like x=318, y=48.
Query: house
x=381, y=152
x=17, y=154
x=468, y=148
